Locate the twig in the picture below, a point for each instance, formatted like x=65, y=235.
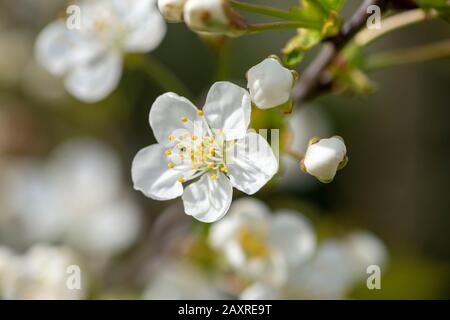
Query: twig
x=314, y=80
x=433, y=51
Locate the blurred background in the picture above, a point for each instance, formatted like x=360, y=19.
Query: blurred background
x=65, y=166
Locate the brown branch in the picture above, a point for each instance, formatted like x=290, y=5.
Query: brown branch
x=315, y=79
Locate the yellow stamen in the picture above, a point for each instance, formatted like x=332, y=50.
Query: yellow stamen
x=184, y=119
x=171, y=137
x=224, y=169
x=194, y=167
x=181, y=179
x=194, y=138
x=210, y=165
x=214, y=177
x=168, y=152
x=170, y=165
x=200, y=113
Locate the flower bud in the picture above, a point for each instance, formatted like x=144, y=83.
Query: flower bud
x=172, y=10
x=270, y=84
x=215, y=16
x=324, y=157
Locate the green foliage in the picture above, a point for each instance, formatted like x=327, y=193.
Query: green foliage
x=441, y=6
x=298, y=45
x=325, y=13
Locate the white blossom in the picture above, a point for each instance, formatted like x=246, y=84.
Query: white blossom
x=89, y=58
x=77, y=197
x=262, y=246
x=337, y=266
x=270, y=83
x=210, y=148
x=39, y=274
x=324, y=158
x=172, y=10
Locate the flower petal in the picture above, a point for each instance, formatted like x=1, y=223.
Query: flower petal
x=96, y=79
x=57, y=48
x=146, y=27
x=166, y=114
x=208, y=200
x=228, y=107
x=260, y=291
x=293, y=236
x=152, y=177
x=251, y=164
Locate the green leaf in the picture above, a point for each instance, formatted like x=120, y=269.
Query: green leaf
x=335, y=5
x=298, y=45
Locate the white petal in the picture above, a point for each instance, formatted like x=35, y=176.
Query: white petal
x=292, y=235
x=208, y=200
x=58, y=48
x=95, y=79
x=166, y=114
x=152, y=177
x=245, y=212
x=260, y=291
x=270, y=83
x=228, y=107
x=146, y=26
x=251, y=164
x=53, y=48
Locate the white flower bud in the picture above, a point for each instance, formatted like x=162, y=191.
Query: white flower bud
x=270, y=83
x=172, y=10
x=215, y=16
x=324, y=158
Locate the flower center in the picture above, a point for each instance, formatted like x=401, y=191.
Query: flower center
x=252, y=243
x=197, y=151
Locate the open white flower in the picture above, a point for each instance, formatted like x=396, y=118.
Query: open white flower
x=172, y=10
x=41, y=273
x=270, y=83
x=210, y=148
x=332, y=272
x=89, y=58
x=262, y=246
x=325, y=157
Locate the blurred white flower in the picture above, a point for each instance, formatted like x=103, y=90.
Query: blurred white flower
x=175, y=280
x=335, y=269
x=270, y=83
x=212, y=145
x=325, y=157
x=215, y=16
x=90, y=58
x=172, y=10
x=261, y=246
x=41, y=273
x=76, y=197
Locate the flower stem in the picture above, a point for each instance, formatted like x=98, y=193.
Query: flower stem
x=260, y=27
x=433, y=51
x=294, y=154
x=264, y=10
x=158, y=73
